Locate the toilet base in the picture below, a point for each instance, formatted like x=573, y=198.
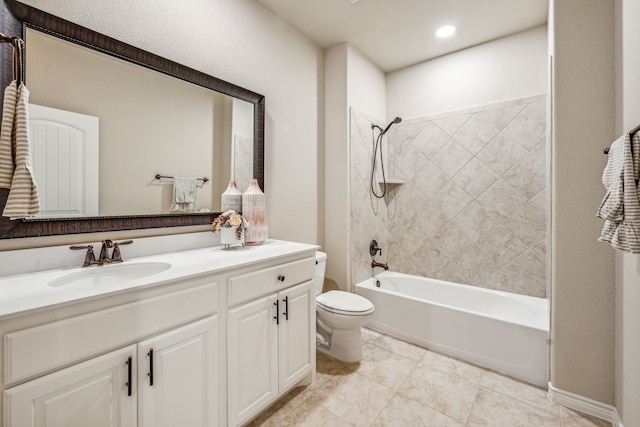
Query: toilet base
x=345, y=345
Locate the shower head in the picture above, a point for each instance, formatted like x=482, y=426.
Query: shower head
x=394, y=121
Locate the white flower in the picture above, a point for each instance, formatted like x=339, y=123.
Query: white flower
x=235, y=220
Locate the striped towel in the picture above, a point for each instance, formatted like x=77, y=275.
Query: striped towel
x=621, y=208
x=15, y=155
x=7, y=159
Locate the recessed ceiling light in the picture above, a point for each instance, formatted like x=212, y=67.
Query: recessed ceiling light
x=353, y=1
x=445, y=31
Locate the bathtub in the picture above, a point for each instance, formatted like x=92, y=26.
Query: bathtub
x=499, y=330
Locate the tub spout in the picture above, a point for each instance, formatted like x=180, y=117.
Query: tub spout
x=375, y=264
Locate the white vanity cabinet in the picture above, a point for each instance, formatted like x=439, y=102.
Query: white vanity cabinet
x=170, y=379
x=209, y=342
x=164, y=375
x=178, y=377
x=271, y=338
x=92, y=393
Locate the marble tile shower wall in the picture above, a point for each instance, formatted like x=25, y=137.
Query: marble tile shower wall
x=368, y=214
x=472, y=208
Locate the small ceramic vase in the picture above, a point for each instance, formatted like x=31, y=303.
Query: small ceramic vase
x=254, y=209
x=232, y=198
x=228, y=237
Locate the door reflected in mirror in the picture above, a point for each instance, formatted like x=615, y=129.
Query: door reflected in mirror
x=149, y=123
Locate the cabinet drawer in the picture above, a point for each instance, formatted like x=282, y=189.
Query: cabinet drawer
x=252, y=285
x=42, y=348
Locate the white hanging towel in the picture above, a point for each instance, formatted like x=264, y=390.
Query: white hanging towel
x=621, y=207
x=16, y=168
x=184, y=194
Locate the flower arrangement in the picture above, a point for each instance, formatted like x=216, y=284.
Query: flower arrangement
x=230, y=219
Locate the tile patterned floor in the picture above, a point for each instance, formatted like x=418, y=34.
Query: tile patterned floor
x=400, y=384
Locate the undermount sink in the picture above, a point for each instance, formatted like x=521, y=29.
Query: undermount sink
x=109, y=274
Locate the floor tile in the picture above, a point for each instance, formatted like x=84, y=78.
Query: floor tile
x=517, y=389
x=310, y=414
x=495, y=409
x=352, y=397
x=403, y=348
x=401, y=384
x=403, y=411
x=384, y=367
x=275, y=414
x=445, y=392
x=576, y=419
x=369, y=335
x=451, y=365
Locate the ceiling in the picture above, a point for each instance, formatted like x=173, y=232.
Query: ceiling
x=395, y=34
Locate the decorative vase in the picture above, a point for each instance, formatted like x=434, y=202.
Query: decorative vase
x=229, y=236
x=232, y=198
x=254, y=209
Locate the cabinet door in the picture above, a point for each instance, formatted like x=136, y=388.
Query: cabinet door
x=297, y=333
x=178, y=377
x=93, y=393
x=252, y=357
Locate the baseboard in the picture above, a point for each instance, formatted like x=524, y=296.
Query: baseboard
x=584, y=405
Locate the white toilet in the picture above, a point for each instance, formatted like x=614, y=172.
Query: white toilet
x=339, y=317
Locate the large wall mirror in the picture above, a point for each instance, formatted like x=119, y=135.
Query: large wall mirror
x=148, y=116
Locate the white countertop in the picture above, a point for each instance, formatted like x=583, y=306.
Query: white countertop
x=24, y=293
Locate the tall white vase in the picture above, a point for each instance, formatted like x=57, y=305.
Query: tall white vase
x=254, y=209
x=231, y=198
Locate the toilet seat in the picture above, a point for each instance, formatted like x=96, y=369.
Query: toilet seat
x=345, y=303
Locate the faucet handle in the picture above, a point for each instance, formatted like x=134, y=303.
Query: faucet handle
x=90, y=257
x=116, y=256
x=374, y=248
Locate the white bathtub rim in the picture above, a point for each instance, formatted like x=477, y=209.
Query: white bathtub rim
x=540, y=324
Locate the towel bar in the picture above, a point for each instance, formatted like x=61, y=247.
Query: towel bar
x=158, y=176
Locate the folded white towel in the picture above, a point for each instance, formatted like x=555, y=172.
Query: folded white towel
x=184, y=194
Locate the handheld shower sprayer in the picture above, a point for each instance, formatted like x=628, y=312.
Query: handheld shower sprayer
x=385, y=130
x=392, y=122
x=377, y=142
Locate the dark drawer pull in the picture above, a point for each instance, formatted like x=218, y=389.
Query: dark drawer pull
x=150, y=354
x=277, y=316
x=129, y=375
x=281, y=277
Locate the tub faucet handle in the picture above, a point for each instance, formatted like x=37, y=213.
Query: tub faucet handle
x=374, y=248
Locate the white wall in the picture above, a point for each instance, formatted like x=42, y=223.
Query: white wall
x=366, y=85
x=336, y=165
x=352, y=81
x=507, y=68
x=582, y=269
x=240, y=42
x=627, y=328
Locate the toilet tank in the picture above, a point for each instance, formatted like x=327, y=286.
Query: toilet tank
x=321, y=264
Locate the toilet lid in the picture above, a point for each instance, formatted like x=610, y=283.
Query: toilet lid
x=345, y=302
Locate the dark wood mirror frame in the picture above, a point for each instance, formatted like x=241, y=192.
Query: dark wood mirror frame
x=15, y=17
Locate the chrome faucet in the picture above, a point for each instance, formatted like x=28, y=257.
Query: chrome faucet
x=375, y=264
x=90, y=257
